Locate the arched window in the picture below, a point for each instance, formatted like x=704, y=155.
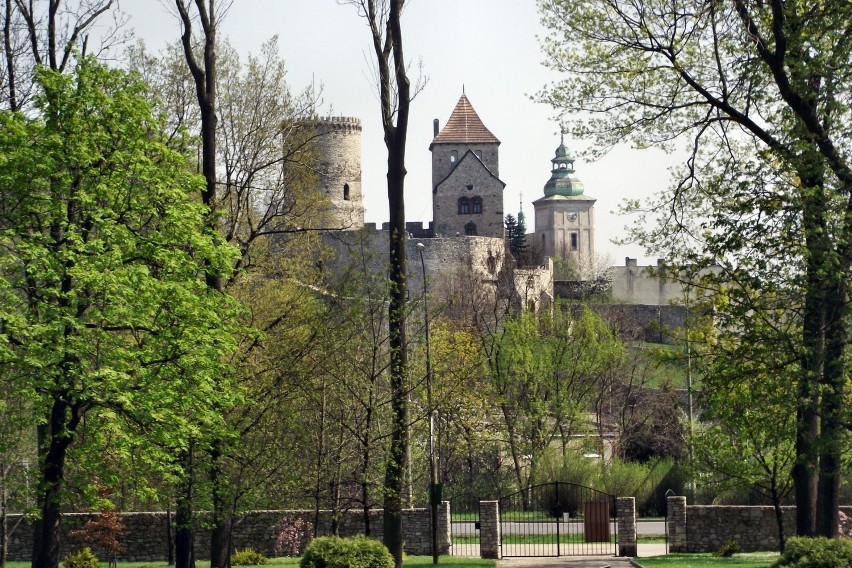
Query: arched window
x=464, y=206
x=470, y=229
x=345, y=192
x=454, y=155
x=476, y=205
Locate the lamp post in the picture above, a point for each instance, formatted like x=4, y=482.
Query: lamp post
x=434, y=488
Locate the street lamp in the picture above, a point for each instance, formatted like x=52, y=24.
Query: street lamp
x=434, y=488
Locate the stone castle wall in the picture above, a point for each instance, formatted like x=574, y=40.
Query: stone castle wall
x=147, y=537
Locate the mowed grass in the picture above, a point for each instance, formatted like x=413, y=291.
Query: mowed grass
x=743, y=560
x=410, y=562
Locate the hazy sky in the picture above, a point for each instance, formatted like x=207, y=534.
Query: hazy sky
x=489, y=48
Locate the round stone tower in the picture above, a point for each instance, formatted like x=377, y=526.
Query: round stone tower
x=339, y=139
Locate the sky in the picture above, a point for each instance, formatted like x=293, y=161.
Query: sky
x=488, y=49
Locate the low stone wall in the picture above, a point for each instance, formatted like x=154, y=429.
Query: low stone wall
x=705, y=528
x=147, y=533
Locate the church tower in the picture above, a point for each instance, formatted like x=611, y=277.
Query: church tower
x=467, y=194
x=565, y=217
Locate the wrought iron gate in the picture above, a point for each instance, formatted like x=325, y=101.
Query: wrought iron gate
x=464, y=525
x=558, y=519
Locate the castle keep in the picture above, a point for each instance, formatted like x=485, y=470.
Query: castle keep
x=467, y=194
x=339, y=140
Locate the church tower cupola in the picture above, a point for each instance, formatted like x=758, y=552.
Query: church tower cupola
x=565, y=217
x=562, y=179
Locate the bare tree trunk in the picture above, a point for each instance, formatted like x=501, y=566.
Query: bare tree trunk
x=204, y=76
x=395, y=99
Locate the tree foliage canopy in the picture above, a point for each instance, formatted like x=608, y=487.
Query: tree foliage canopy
x=759, y=93
x=105, y=313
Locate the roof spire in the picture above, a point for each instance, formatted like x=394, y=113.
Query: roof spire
x=462, y=88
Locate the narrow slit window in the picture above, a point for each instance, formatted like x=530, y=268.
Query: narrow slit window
x=346, y=192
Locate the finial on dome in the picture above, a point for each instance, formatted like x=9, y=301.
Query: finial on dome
x=562, y=138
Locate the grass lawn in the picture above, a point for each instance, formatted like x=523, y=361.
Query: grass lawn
x=743, y=560
x=410, y=562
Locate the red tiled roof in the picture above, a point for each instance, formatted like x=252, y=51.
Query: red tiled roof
x=464, y=126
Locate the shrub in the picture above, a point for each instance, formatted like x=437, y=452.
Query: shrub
x=292, y=535
x=81, y=559
x=728, y=549
x=816, y=553
x=844, y=529
x=356, y=552
x=247, y=557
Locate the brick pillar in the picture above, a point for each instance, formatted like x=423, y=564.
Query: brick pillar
x=625, y=511
x=676, y=523
x=444, y=528
x=489, y=530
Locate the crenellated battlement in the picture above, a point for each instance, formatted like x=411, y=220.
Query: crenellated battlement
x=344, y=123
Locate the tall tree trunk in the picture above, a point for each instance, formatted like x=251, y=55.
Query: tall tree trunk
x=394, y=86
x=54, y=437
x=805, y=470
x=184, y=533
x=831, y=407
x=204, y=77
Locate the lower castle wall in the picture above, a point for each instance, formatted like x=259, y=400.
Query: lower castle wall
x=146, y=539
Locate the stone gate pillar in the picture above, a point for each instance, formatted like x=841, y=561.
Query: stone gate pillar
x=625, y=511
x=676, y=523
x=489, y=529
x=444, y=525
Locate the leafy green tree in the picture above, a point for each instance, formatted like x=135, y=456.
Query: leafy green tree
x=105, y=315
x=546, y=370
x=752, y=89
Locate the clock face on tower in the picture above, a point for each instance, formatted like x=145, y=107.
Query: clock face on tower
x=572, y=215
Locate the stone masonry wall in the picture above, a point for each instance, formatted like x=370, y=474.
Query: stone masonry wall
x=708, y=527
x=146, y=539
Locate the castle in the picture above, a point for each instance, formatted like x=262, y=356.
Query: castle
x=466, y=238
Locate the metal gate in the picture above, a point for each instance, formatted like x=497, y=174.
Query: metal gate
x=558, y=519
x=464, y=525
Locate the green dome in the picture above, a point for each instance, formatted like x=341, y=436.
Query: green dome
x=562, y=180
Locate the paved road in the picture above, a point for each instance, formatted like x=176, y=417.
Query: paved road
x=643, y=527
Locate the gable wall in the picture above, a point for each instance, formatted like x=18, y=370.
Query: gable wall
x=447, y=220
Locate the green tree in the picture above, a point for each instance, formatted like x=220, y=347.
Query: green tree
x=752, y=88
x=104, y=315
x=516, y=237
x=546, y=371
x=257, y=156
